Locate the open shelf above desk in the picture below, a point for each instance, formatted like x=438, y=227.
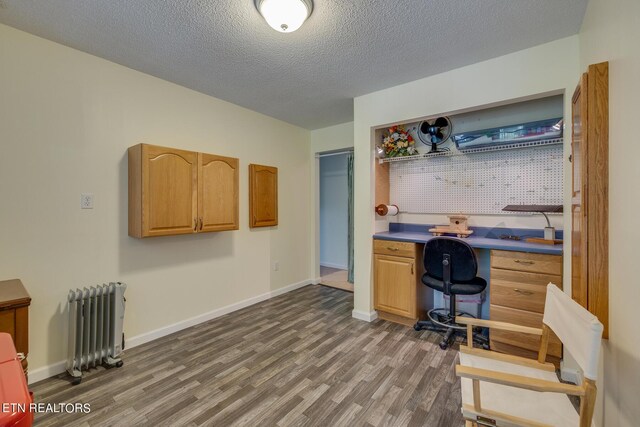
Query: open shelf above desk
x=528, y=144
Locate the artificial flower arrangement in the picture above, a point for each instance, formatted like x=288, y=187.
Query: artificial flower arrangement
x=398, y=143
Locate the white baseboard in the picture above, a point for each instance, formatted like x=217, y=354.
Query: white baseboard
x=331, y=265
x=45, y=372
x=48, y=371
x=316, y=281
x=363, y=315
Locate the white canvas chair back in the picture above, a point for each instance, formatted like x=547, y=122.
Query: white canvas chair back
x=578, y=329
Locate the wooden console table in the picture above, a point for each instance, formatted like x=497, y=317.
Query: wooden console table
x=14, y=315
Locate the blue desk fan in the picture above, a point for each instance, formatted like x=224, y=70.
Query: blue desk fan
x=435, y=132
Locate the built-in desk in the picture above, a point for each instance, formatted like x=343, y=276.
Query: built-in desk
x=517, y=273
x=482, y=238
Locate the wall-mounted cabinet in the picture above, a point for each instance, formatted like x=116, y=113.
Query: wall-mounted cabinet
x=263, y=196
x=175, y=191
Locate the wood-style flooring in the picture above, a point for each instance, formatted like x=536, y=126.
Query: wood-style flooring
x=298, y=359
x=335, y=277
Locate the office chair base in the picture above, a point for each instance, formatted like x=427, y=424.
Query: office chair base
x=451, y=331
x=441, y=317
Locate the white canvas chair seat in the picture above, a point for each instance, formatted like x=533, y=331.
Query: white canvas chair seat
x=534, y=395
x=547, y=408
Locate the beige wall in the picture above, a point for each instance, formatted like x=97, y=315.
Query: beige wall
x=546, y=69
x=66, y=120
x=331, y=138
x=611, y=32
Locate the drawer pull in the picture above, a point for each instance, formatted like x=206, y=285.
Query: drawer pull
x=522, y=292
x=392, y=249
x=522, y=261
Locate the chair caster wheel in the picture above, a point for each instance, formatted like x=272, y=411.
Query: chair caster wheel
x=417, y=327
x=486, y=347
x=119, y=364
x=444, y=345
x=76, y=380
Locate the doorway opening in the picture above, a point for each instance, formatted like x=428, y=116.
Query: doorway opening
x=336, y=219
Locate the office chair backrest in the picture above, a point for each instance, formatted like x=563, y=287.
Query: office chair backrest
x=464, y=264
x=578, y=329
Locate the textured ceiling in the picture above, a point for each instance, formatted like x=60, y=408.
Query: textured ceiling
x=347, y=48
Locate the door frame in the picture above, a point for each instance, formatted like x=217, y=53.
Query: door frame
x=316, y=207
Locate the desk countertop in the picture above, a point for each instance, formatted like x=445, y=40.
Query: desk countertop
x=481, y=240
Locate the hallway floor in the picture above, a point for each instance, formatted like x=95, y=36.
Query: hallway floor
x=335, y=278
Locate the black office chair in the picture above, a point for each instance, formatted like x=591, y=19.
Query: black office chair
x=451, y=267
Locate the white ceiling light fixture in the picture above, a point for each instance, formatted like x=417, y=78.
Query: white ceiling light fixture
x=285, y=16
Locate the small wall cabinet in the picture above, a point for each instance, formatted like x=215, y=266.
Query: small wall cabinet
x=263, y=196
x=399, y=295
x=518, y=292
x=175, y=191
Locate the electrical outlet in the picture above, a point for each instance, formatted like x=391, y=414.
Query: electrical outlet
x=86, y=201
x=276, y=266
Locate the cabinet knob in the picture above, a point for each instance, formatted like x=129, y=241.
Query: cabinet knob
x=200, y=223
x=522, y=261
x=195, y=224
x=522, y=292
x=392, y=249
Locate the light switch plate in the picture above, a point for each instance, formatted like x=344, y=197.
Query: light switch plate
x=86, y=201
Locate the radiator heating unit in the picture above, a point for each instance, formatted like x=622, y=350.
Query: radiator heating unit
x=96, y=316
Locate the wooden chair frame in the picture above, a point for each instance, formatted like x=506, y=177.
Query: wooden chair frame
x=586, y=391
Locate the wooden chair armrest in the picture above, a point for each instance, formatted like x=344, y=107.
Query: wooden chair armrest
x=509, y=358
x=492, y=324
x=519, y=381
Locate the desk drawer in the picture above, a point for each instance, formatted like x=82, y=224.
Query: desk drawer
x=395, y=248
x=521, y=290
x=526, y=341
x=522, y=261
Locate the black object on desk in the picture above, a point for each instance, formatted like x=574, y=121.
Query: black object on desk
x=451, y=267
x=549, y=231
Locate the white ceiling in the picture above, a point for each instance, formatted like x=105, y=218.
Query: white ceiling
x=347, y=48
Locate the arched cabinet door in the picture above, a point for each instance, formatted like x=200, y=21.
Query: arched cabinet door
x=263, y=196
x=163, y=196
x=217, y=193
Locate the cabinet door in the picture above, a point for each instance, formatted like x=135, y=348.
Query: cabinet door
x=579, y=193
x=395, y=285
x=263, y=196
x=217, y=193
x=169, y=195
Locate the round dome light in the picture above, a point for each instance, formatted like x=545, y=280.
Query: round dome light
x=285, y=16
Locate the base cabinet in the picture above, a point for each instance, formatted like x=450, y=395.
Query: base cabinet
x=518, y=288
x=398, y=291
